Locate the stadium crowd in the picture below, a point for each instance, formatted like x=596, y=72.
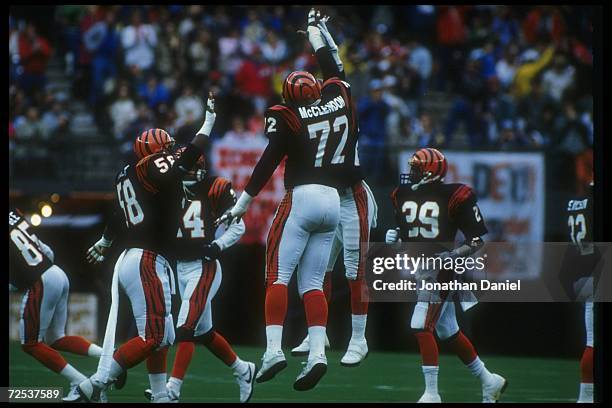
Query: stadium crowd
x=512, y=78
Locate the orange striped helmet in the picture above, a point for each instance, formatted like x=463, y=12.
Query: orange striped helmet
x=152, y=141
x=301, y=88
x=427, y=164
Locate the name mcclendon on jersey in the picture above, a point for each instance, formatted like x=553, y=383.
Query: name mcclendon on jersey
x=332, y=106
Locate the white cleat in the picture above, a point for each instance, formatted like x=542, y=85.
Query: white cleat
x=357, y=351
x=173, y=395
x=73, y=394
x=91, y=390
x=493, y=388
x=246, y=382
x=311, y=374
x=271, y=365
x=304, y=348
x=430, y=398
x=586, y=393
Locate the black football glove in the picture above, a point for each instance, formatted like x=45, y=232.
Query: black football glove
x=211, y=252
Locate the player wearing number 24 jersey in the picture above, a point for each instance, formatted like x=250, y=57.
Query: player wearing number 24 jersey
x=148, y=201
x=429, y=211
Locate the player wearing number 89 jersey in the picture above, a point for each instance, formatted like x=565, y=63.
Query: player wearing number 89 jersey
x=44, y=308
x=429, y=211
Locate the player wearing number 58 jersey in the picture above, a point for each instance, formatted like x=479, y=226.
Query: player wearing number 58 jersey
x=44, y=308
x=429, y=211
x=148, y=205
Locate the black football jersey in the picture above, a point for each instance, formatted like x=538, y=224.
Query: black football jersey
x=319, y=141
x=26, y=260
x=435, y=211
x=207, y=200
x=580, y=224
x=149, y=198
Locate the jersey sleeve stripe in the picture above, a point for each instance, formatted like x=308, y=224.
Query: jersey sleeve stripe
x=458, y=197
x=142, y=175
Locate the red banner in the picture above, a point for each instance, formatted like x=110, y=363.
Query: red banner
x=234, y=158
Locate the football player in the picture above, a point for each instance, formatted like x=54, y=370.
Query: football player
x=577, y=276
x=147, y=215
x=430, y=211
x=199, y=276
x=316, y=130
x=44, y=308
x=357, y=216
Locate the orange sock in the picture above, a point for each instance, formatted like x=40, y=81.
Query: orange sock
x=182, y=358
x=221, y=349
x=133, y=352
x=276, y=304
x=428, y=348
x=72, y=344
x=586, y=366
x=156, y=362
x=46, y=356
x=463, y=348
x=360, y=296
x=315, y=306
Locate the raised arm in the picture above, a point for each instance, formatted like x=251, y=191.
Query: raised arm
x=324, y=46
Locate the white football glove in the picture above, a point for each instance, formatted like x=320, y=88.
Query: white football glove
x=211, y=115
x=392, y=236
x=95, y=254
x=237, y=211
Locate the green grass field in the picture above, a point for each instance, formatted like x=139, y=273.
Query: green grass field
x=382, y=377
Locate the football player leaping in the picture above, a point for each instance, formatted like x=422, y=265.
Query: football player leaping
x=44, y=308
x=429, y=211
x=148, y=213
x=199, y=277
x=357, y=216
x=316, y=129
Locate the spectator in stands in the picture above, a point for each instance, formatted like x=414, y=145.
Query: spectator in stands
x=154, y=92
x=532, y=63
x=372, y=113
x=420, y=60
x=138, y=41
x=543, y=23
x=274, y=49
x=34, y=53
x=188, y=105
x=122, y=111
x=505, y=68
x=558, y=78
x=200, y=55
x=55, y=122
x=102, y=41
x=238, y=133
x=253, y=79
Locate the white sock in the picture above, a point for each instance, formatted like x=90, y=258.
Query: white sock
x=274, y=335
x=586, y=392
x=239, y=366
x=317, y=341
x=478, y=369
x=431, y=379
x=72, y=374
x=359, y=326
x=175, y=384
x=158, y=383
x=115, y=369
x=94, y=350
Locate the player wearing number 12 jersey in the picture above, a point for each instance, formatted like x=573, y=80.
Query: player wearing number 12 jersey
x=430, y=211
x=148, y=205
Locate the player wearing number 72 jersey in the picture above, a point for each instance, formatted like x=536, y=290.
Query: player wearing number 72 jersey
x=148, y=212
x=430, y=211
x=316, y=130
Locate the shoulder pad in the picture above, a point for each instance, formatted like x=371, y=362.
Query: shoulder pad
x=336, y=81
x=285, y=114
x=461, y=194
x=147, y=173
